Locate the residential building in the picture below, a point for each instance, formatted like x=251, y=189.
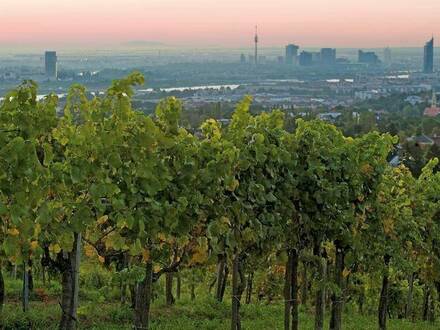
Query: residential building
x=433, y=110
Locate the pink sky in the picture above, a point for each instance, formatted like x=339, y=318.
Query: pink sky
x=339, y=23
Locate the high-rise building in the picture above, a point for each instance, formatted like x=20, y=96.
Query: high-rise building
x=328, y=56
x=368, y=57
x=316, y=57
x=305, y=58
x=428, y=57
x=50, y=61
x=291, y=54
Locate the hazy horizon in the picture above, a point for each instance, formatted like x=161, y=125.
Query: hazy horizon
x=209, y=23
x=122, y=48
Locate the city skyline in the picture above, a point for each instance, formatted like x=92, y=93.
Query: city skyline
x=229, y=23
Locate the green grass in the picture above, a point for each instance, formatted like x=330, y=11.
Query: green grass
x=100, y=310
x=185, y=315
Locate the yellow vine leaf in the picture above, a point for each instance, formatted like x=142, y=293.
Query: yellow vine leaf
x=109, y=242
x=102, y=219
x=34, y=245
x=37, y=230
x=200, y=252
x=225, y=220
x=55, y=248
x=346, y=272
x=101, y=259
x=161, y=237
x=89, y=251
x=13, y=232
x=233, y=185
x=145, y=255
x=388, y=225
x=367, y=169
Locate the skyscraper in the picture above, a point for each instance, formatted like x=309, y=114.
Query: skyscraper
x=428, y=57
x=306, y=58
x=50, y=61
x=328, y=55
x=291, y=54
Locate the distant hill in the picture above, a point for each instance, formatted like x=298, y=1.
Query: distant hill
x=143, y=43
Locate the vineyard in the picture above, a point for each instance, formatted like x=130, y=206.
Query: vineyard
x=105, y=210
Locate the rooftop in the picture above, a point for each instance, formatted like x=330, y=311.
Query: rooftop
x=432, y=112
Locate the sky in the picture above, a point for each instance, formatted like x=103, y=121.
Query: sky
x=223, y=23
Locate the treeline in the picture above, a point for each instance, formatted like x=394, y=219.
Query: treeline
x=144, y=193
